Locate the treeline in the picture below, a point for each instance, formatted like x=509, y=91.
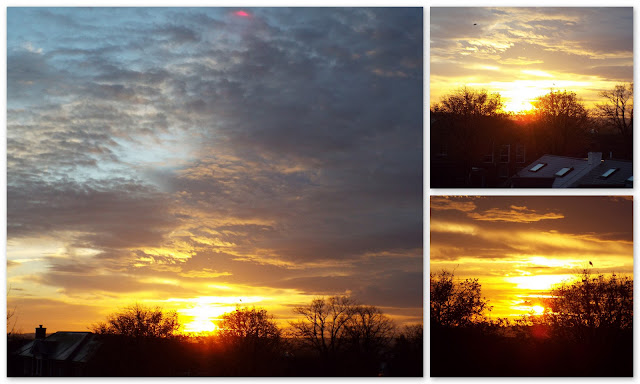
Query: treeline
x=334, y=336
x=586, y=329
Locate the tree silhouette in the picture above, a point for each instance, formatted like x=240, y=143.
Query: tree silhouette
x=463, y=121
x=468, y=103
x=618, y=108
x=323, y=323
x=369, y=330
x=456, y=303
x=140, y=321
x=592, y=302
x=11, y=316
x=251, y=330
x=563, y=121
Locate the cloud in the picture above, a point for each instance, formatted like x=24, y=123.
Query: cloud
x=188, y=144
x=514, y=215
x=440, y=203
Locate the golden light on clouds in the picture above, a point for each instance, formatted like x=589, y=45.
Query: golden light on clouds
x=523, y=53
x=520, y=247
x=537, y=282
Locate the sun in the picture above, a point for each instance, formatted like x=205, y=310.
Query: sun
x=537, y=309
x=519, y=97
x=518, y=103
x=202, y=317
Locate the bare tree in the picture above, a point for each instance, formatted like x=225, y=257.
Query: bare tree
x=618, y=108
x=140, y=321
x=468, y=102
x=462, y=121
x=11, y=316
x=369, y=330
x=564, y=121
x=252, y=330
x=323, y=322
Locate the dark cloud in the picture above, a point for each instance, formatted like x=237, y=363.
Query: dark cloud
x=276, y=150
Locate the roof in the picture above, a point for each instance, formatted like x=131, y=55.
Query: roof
x=572, y=169
x=618, y=178
x=71, y=346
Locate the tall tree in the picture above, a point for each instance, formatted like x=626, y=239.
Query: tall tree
x=369, y=330
x=323, y=322
x=250, y=330
x=461, y=123
x=140, y=321
x=563, y=121
x=618, y=108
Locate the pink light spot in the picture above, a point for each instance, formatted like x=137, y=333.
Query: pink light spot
x=242, y=14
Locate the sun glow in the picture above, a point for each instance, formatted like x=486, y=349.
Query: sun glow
x=200, y=314
x=520, y=99
x=537, y=282
x=537, y=309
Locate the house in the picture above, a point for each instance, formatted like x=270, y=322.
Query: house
x=551, y=171
x=60, y=354
x=65, y=354
x=609, y=174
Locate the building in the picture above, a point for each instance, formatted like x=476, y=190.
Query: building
x=609, y=174
x=550, y=171
x=60, y=354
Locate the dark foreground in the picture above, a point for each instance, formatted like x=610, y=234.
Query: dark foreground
x=109, y=355
x=475, y=353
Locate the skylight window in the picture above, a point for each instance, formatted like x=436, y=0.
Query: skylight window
x=564, y=171
x=608, y=173
x=537, y=167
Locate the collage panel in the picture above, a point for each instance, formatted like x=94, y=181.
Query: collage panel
x=531, y=286
x=531, y=97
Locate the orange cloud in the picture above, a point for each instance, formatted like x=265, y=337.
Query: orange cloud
x=441, y=203
x=514, y=215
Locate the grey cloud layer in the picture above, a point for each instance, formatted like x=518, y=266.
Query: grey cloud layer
x=310, y=119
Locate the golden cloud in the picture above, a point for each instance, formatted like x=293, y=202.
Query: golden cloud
x=442, y=203
x=514, y=215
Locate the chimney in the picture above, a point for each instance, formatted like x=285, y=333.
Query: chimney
x=594, y=158
x=41, y=333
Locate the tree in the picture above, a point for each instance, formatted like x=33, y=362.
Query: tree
x=456, y=303
x=593, y=302
x=618, y=108
x=467, y=103
x=323, y=323
x=369, y=330
x=140, y=321
x=11, y=316
x=563, y=121
x=252, y=330
x=463, y=125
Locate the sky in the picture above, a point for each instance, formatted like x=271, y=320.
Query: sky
x=203, y=158
x=518, y=247
x=523, y=53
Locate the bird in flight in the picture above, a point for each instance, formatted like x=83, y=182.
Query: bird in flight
x=591, y=264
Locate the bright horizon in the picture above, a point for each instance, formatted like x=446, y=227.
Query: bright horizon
x=198, y=159
x=519, y=247
x=524, y=53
